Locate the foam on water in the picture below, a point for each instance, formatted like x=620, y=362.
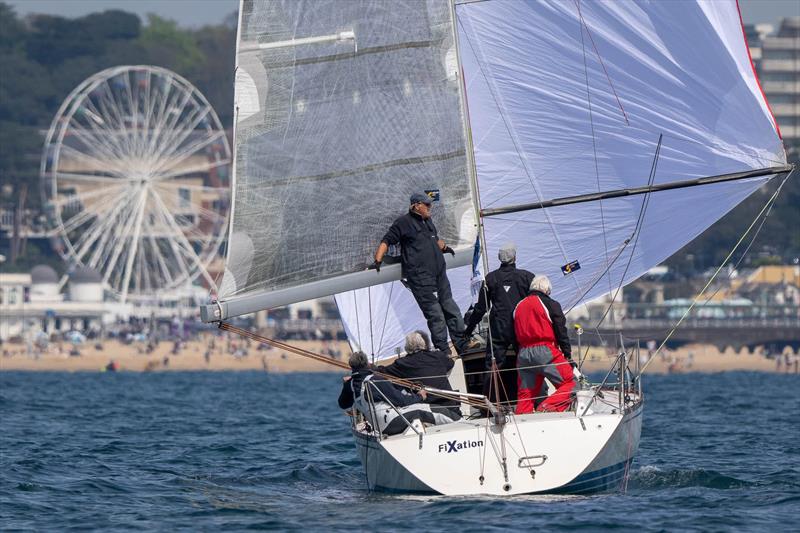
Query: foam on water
x=251, y=450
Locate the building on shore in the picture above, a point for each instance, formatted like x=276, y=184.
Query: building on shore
x=776, y=55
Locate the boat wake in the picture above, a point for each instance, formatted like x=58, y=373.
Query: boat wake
x=653, y=477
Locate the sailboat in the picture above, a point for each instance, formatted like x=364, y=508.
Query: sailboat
x=601, y=137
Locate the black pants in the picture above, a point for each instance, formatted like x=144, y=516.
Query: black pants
x=506, y=383
x=435, y=299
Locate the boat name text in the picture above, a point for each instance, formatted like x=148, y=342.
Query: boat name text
x=452, y=446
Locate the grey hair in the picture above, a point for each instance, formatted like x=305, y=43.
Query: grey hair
x=507, y=253
x=415, y=342
x=425, y=338
x=541, y=283
x=358, y=360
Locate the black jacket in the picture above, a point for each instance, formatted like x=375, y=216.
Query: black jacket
x=559, y=323
x=420, y=253
x=428, y=367
x=506, y=287
x=397, y=397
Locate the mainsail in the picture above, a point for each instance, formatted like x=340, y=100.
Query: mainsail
x=573, y=97
x=343, y=109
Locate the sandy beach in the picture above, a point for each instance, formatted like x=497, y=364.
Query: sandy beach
x=191, y=356
x=237, y=355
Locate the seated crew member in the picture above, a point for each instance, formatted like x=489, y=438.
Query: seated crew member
x=382, y=415
x=503, y=288
x=424, y=268
x=428, y=367
x=544, y=350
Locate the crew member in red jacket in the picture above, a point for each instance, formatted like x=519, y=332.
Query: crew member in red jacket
x=544, y=350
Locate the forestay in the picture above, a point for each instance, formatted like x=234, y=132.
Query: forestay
x=343, y=110
x=569, y=98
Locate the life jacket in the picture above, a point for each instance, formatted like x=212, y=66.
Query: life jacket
x=380, y=414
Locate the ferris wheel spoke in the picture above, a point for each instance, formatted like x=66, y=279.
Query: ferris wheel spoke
x=196, y=169
x=161, y=117
x=107, y=99
x=109, y=181
x=177, y=136
x=171, y=117
x=183, y=241
x=162, y=264
x=113, y=131
x=178, y=257
x=89, y=236
x=134, y=249
x=121, y=243
x=172, y=184
x=77, y=221
x=85, y=129
x=209, y=213
x=101, y=230
x=84, y=196
x=180, y=156
x=93, y=162
x=89, y=140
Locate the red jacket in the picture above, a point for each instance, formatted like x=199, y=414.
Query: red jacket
x=538, y=319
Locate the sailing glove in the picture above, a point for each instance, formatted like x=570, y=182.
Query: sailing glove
x=448, y=250
x=376, y=265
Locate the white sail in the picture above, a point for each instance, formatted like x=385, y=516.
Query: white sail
x=571, y=97
x=344, y=109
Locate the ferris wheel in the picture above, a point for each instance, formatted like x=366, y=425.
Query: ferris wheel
x=135, y=179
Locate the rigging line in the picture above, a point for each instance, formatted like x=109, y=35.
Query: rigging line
x=636, y=232
x=407, y=383
x=386, y=316
x=716, y=272
x=594, y=144
x=600, y=276
x=512, y=136
x=744, y=253
x=600, y=58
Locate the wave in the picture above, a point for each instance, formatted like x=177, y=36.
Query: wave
x=652, y=477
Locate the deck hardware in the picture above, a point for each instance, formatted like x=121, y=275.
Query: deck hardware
x=506, y=487
x=481, y=480
x=528, y=461
x=582, y=424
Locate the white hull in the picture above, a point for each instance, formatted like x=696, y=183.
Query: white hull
x=545, y=452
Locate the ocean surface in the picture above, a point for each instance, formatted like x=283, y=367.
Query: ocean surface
x=235, y=451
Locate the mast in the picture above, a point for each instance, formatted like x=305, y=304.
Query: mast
x=618, y=193
x=471, y=168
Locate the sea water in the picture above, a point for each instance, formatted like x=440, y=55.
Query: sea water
x=227, y=450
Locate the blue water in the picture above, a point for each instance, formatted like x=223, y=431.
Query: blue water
x=209, y=451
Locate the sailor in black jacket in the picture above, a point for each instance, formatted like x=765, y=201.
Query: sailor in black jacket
x=504, y=288
x=429, y=368
x=422, y=257
x=387, y=399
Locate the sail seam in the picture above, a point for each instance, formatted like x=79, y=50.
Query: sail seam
x=361, y=170
x=351, y=55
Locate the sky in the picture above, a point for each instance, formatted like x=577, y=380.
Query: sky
x=194, y=13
